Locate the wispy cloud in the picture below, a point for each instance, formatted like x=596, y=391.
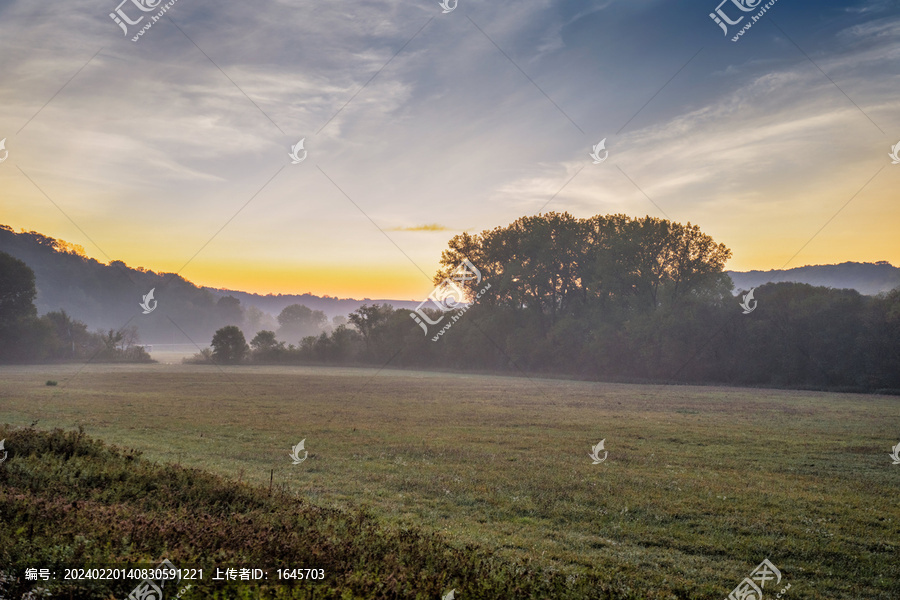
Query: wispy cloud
x=431, y=227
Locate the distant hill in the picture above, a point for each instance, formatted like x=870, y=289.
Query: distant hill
x=275, y=303
x=109, y=296
x=866, y=278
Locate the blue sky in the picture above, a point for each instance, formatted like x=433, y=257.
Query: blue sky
x=172, y=153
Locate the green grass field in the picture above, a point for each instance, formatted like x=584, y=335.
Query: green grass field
x=701, y=483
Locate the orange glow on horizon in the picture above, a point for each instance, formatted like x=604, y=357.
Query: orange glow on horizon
x=347, y=281
x=855, y=240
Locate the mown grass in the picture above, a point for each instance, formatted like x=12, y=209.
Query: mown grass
x=701, y=483
x=69, y=501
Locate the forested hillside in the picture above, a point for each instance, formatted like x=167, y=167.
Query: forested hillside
x=865, y=278
x=109, y=296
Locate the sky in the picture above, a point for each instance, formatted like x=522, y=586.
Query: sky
x=172, y=153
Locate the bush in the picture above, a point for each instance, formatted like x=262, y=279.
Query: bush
x=204, y=357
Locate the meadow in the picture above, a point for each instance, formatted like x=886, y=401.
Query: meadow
x=700, y=484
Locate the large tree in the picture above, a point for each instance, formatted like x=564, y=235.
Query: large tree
x=556, y=265
x=17, y=291
x=23, y=337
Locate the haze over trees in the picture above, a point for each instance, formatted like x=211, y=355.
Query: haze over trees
x=297, y=321
x=608, y=297
x=108, y=296
x=866, y=278
x=25, y=337
x=618, y=298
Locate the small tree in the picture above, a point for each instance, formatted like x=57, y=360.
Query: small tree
x=110, y=344
x=297, y=321
x=228, y=310
x=370, y=321
x=229, y=345
x=345, y=342
x=257, y=320
x=72, y=335
x=266, y=347
x=264, y=341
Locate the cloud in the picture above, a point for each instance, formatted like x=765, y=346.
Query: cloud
x=430, y=123
x=778, y=124
x=431, y=227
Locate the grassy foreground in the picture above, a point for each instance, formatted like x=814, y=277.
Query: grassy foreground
x=701, y=484
x=68, y=501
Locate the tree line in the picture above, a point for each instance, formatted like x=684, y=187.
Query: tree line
x=26, y=337
x=609, y=297
x=615, y=298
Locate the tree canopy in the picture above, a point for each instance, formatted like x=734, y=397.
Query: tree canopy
x=297, y=321
x=556, y=265
x=17, y=290
x=229, y=345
